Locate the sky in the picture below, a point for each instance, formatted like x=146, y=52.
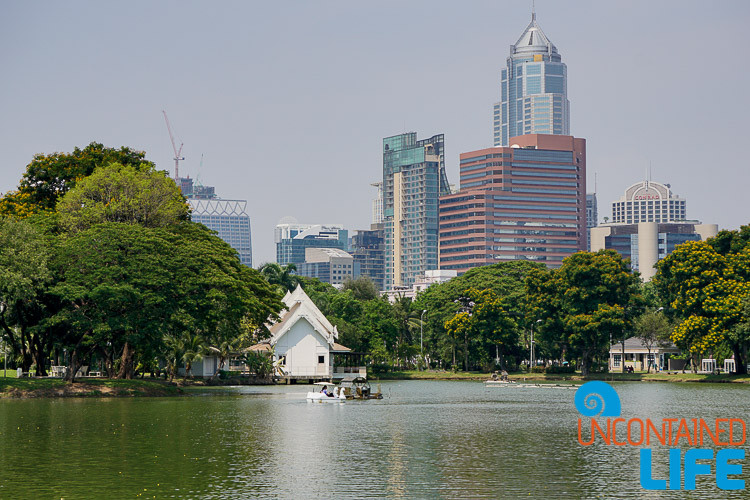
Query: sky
x=285, y=103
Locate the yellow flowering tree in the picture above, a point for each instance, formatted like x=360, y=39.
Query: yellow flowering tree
x=49, y=176
x=706, y=284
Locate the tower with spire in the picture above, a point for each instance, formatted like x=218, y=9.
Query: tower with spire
x=534, y=93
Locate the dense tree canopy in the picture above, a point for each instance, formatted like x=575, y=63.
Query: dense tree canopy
x=49, y=176
x=131, y=285
x=582, y=304
x=705, y=284
x=122, y=193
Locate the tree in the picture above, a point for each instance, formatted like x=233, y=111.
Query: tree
x=653, y=329
x=24, y=278
x=48, y=177
x=582, y=304
x=484, y=322
x=193, y=348
x=117, y=193
x=705, y=290
x=505, y=279
x=282, y=277
x=131, y=286
x=362, y=288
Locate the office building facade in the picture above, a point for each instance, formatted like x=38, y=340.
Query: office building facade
x=646, y=243
x=648, y=222
x=331, y=265
x=649, y=201
x=413, y=179
x=228, y=218
x=293, y=238
x=368, y=250
x=525, y=202
x=533, y=91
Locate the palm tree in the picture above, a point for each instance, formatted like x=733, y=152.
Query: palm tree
x=281, y=276
x=173, y=352
x=192, y=350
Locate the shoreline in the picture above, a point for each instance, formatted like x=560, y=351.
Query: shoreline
x=26, y=388
x=12, y=388
x=673, y=377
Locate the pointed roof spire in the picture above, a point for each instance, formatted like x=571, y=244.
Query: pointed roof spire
x=533, y=39
x=533, y=10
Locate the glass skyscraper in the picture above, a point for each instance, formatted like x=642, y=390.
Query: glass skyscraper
x=413, y=178
x=534, y=89
x=228, y=218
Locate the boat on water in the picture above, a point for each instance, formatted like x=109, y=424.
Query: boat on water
x=357, y=388
x=336, y=396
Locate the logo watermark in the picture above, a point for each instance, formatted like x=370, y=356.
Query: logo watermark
x=597, y=400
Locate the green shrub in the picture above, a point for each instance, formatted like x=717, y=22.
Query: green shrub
x=560, y=369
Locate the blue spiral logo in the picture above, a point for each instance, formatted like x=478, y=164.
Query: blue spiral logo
x=597, y=398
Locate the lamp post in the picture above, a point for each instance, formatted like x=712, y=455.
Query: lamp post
x=5, y=356
x=421, y=324
x=531, y=345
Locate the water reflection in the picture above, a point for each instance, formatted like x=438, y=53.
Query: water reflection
x=427, y=439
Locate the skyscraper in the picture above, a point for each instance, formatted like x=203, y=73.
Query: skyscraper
x=648, y=222
x=534, y=89
x=648, y=201
x=368, y=250
x=525, y=202
x=413, y=178
x=228, y=218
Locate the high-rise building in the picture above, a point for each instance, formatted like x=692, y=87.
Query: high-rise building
x=293, y=238
x=534, y=93
x=377, y=204
x=331, y=265
x=228, y=218
x=413, y=178
x=368, y=250
x=592, y=217
x=648, y=201
x=524, y=202
x=646, y=243
x=648, y=222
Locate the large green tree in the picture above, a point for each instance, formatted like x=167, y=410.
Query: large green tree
x=583, y=303
x=442, y=301
x=131, y=286
x=123, y=193
x=705, y=284
x=24, y=278
x=49, y=176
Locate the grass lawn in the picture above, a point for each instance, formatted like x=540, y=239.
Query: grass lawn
x=55, y=387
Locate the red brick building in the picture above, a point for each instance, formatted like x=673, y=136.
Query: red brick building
x=524, y=202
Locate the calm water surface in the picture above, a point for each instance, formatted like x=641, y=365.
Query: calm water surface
x=424, y=440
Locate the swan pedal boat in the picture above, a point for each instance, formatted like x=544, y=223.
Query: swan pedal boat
x=322, y=398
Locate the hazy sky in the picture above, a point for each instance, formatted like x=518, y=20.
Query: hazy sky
x=288, y=102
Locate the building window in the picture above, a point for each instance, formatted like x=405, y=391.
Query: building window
x=616, y=360
x=321, y=359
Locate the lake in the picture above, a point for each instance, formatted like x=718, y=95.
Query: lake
x=425, y=439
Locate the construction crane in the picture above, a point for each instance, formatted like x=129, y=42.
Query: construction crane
x=177, y=152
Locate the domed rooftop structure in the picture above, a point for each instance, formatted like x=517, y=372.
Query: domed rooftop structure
x=533, y=40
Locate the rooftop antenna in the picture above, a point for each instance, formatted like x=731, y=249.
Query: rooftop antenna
x=177, y=153
x=533, y=10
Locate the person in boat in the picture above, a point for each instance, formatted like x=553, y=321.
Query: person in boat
x=324, y=390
